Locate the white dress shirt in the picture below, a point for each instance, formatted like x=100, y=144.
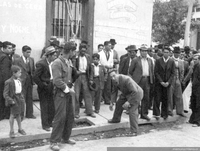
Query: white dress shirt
x=18, y=86
x=145, y=67
x=96, y=70
x=104, y=61
x=165, y=60
x=50, y=70
x=82, y=64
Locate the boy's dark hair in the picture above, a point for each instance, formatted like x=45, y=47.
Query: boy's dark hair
x=82, y=46
x=95, y=55
x=1, y=44
x=25, y=48
x=13, y=45
x=6, y=43
x=106, y=43
x=15, y=68
x=100, y=45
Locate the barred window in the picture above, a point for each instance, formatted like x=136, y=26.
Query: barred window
x=67, y=19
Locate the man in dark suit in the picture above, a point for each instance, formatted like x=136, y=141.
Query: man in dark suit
x=164, y=75
x=28, y=67
x=130, y=99
x=177, y=97
x=5, y=74
x=83, y=63
x=125, y=62
x=141, y=71
x=43, y=78
x=13, y=55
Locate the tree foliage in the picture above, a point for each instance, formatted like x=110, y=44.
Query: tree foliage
x=168, y=21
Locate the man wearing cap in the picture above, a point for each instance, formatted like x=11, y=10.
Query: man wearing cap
x=44, y=79
x=53, y=42
x=141, y=71
x=126, y=61
x=131, y=95
x=176, y=95
x=62, y=79
x=164, y=75
x=5, y=74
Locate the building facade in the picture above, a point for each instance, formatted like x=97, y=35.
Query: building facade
x=33, y=22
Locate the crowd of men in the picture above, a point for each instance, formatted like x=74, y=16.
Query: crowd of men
x=147, y=78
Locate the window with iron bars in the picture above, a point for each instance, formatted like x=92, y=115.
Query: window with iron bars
x=67, y=19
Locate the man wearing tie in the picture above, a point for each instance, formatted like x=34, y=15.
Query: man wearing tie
x=141, y=71
x=125, y=62
x=27, y=65
x=164, y=76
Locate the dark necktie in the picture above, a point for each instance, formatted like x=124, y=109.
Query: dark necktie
x=107, y=55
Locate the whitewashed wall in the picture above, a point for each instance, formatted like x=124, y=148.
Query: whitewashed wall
x=126, y=21
x=23, y=22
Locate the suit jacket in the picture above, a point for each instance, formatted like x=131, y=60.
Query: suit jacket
x=163, y=74
x=130, y=89
x=180, y=70
x=88, y=64
x=136, y=72
x=20, y=62
x=195, y=99
x=62, y=74
x=124, y=65
x=5, y=66
x=102, y=74
x=42, y=74
x=9, y=91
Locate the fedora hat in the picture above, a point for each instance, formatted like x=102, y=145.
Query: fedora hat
x=127, y=48
x=93, y=86
x=132, y=48
x=144, y=48
x=112, y=41
x=49, y=50
x=177, y=50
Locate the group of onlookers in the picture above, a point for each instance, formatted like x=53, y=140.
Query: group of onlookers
x=16, y=75
x=147, y=78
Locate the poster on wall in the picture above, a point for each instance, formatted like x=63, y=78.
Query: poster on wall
x=128, y=22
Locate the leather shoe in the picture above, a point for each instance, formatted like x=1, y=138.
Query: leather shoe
x=170, y=114
x=92, y=115
x=33, y=117
x=71, y=142
x=111, y=121
x=183, y=115
x=164, y=117
x=157, y=117
x=146, y=118
x=47, y=129
x=96, y=111
x=132, y=134
x=77, y=116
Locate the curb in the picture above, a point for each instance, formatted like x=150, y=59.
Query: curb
x=86, y=130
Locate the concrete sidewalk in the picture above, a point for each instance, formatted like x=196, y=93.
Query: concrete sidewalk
x=34, y=129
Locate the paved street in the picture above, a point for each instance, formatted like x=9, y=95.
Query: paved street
x=181, y=136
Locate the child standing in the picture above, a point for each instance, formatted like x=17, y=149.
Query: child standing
x=14, y=98
x=97, y=79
